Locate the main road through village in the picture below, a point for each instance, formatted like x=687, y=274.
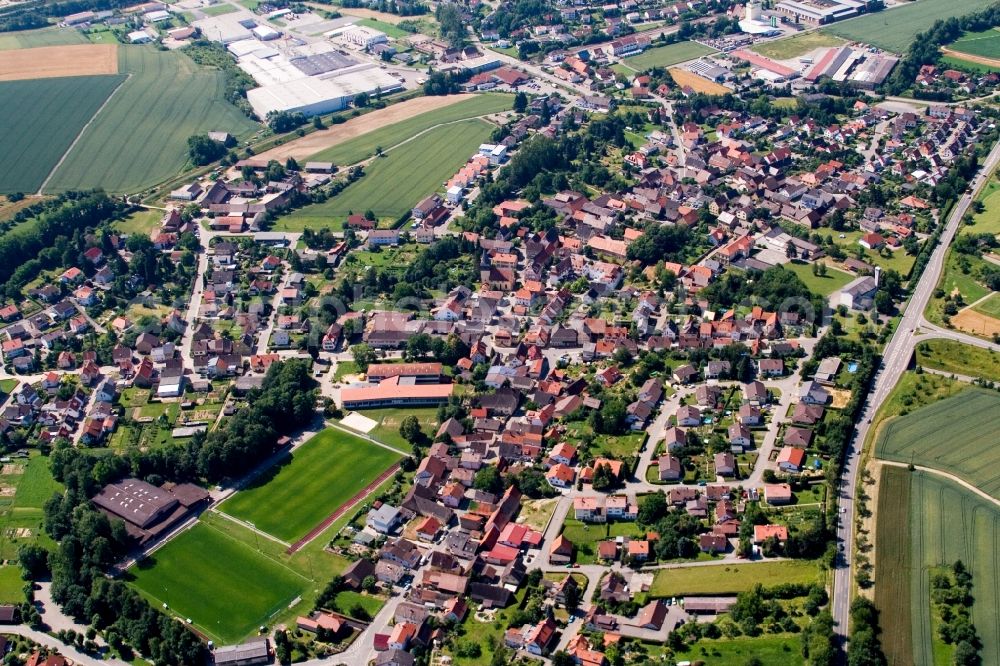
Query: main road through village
x=895, y=360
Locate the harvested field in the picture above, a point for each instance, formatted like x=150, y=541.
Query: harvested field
x=313, y=143
x=682, y=77
x=971, y=321
x=48, y=62
x=969, y=57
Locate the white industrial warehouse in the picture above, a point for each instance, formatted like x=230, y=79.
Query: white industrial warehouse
x=313, y=95
x=307, y=78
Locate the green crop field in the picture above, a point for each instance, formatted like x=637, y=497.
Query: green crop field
x=40, y=119
x=362, y=147
x=140, y=138
x=797, y=45
x=985, y=43
x=955, y=62
x=954, y=357
x=321, y=475
x=665, y=56
x=394, y=184
x=29, y=39
x=894, y=29
x=226, y=587
x=892, y=564
x=956, y=435
x=731, y=578
x=941, y=523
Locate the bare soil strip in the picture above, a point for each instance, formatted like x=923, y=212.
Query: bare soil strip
x=969, y=57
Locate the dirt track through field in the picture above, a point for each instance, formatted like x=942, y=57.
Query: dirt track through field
x=47, y=62
x=968, y=57
x=334, y=135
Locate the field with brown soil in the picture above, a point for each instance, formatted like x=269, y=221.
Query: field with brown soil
x=48, y=62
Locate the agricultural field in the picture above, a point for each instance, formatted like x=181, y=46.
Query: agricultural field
x=824, y=285
x=364, y=146
x=319, y=477
x=946, y=523
x=796, y=45
x=393, y=185
x=895, y=29
x=52, y=62
x=29, y=39
x=731, y=578
x=665, y=56
x=954, y=357
x=123, y=151
x=956, y=435
x=892, y=564
x=223, y=585
x=56, y=109
x=684, y=78
x=985, y=44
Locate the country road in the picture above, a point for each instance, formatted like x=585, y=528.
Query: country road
x=895, y=359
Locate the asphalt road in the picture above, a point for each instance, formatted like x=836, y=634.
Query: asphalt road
x=895, y=360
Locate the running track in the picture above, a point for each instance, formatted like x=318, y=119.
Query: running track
x=316, y=531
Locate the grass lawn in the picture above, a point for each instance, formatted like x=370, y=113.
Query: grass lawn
x=665, y=56
x=951, y=356
x=36, y=485
x=348, y=599
x=391, y=31
x=7, y=386
x=11, y=584
x=536, y=513
x=139, y=223
x=219, y=10
x=731, y=578
x=585, y=536
x=897, y=260
x=387, y=430
x=320, y=476
x=956, y=281
x=895, y=29
x=822, y=285
x=987, y=222
x=394, y=184
x=225, y=586
x=956, y=435
x=485, y=634
x=362, y=147
x=796, y=45
x=785, y=649
x=345, y=368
